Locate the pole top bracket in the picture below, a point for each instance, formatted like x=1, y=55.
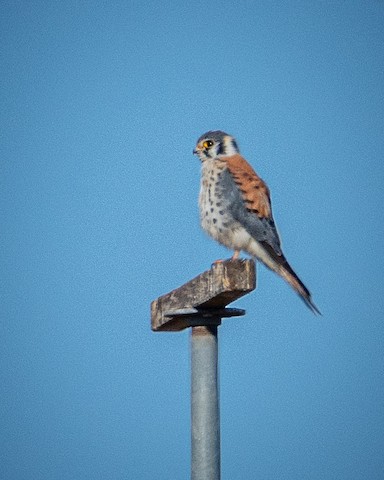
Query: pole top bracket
x=202, y=300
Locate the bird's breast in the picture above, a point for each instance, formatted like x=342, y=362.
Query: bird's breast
x=215, y=205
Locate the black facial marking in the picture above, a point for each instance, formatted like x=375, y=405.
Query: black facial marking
x=234, y=144
x=221, y=149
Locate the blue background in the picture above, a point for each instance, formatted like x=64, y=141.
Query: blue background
x=101, y=106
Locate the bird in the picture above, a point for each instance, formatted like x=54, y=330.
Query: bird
x=235, y=208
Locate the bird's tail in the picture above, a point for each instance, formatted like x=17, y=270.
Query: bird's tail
x=280, y=265
x=290, y=276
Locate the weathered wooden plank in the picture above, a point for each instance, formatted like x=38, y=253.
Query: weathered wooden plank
x=224, y=283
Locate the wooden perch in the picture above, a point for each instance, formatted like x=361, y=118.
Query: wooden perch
x=205, y=296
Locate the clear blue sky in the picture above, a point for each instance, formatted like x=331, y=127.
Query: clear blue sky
x=101, y=106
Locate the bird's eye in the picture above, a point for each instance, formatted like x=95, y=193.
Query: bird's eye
x=207, y=144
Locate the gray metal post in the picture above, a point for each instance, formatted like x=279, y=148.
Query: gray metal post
x=200, y=304
x=205, y=404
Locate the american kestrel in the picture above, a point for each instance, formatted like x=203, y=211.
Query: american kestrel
x=235, y=208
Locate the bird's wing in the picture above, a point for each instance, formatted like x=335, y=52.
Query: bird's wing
x=252, y=207
x=254, y=191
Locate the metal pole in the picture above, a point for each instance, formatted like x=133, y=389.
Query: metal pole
x=205, y=404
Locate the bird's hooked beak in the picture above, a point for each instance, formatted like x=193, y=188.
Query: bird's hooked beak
x=198, y=149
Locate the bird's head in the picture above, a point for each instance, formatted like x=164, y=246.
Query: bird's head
x=215, y=144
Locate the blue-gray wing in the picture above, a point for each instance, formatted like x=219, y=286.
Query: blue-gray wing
x=248, y=201
x=261, y=228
